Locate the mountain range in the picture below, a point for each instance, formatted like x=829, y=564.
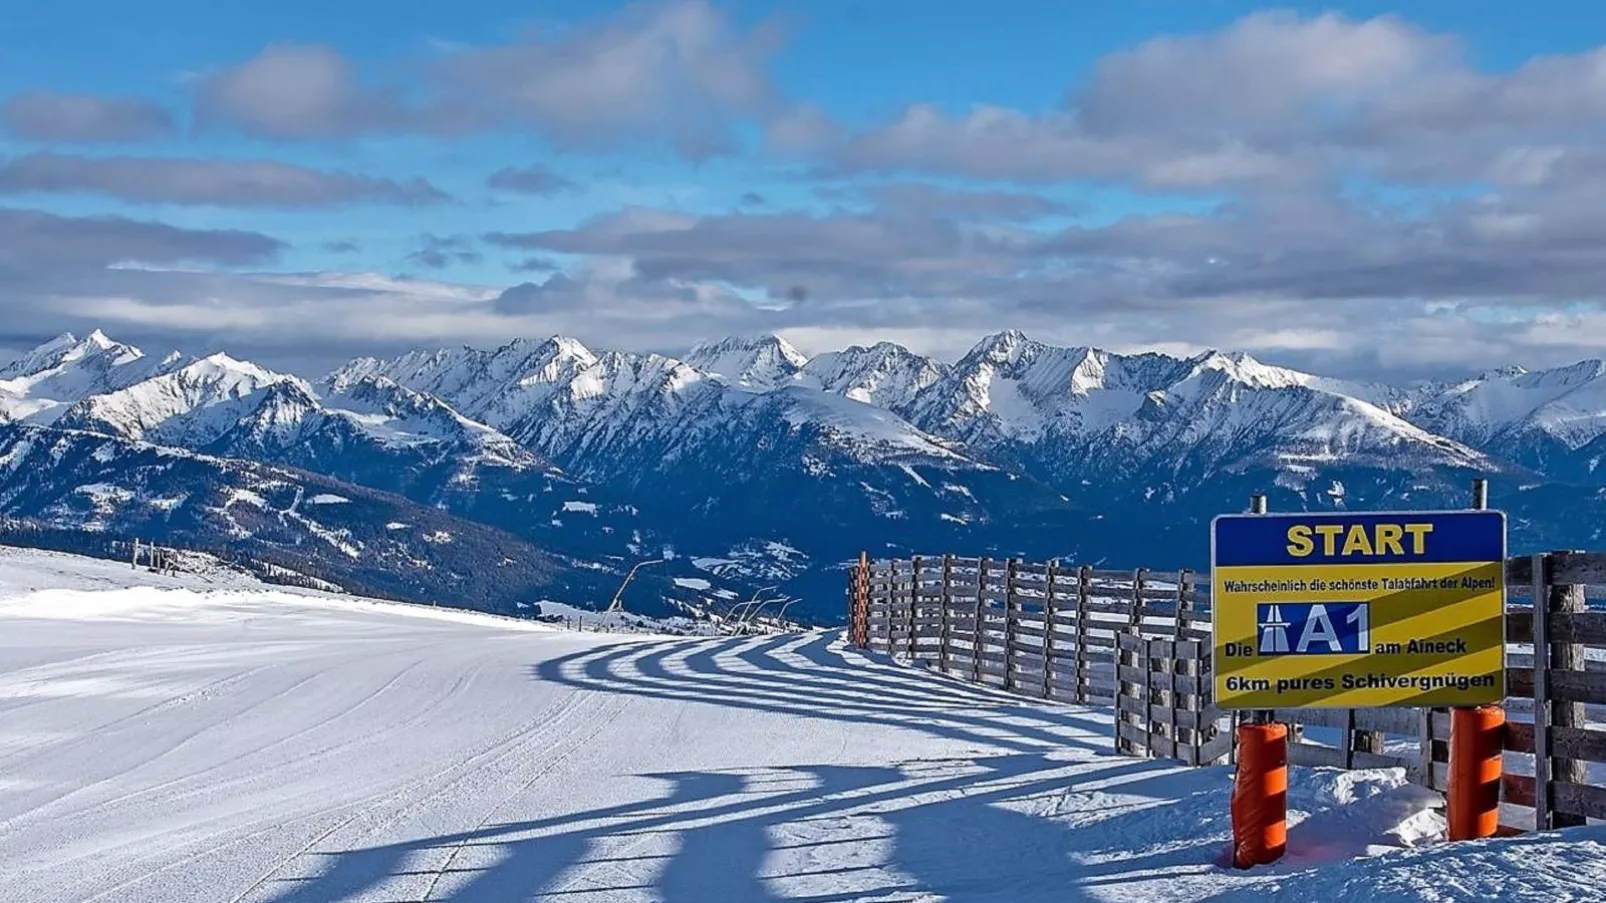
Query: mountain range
x=747, y=464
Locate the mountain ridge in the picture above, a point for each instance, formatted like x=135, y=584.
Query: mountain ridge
x=1019, y=446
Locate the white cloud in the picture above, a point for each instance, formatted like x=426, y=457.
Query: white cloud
x=678, y=71
x=1378, y=203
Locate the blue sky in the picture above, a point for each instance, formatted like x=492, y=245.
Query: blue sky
x=1307, y=181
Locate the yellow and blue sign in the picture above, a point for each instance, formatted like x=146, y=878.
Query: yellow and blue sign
x=1336, y=610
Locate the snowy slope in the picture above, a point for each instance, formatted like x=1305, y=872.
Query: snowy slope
x=192, y=743
x=367, y=431
x=355, y=537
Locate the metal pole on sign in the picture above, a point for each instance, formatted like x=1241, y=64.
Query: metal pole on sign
x=1260, y=787
x=1475, y=761
x=1257, y=505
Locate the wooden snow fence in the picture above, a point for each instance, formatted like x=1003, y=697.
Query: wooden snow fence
x=1136, y=641
x=1139, y=642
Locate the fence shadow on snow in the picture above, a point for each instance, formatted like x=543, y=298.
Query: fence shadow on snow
x=966, y=830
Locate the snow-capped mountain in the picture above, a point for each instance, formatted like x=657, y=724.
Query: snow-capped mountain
x=1552, y=420
x=710, y=450
x=885, y=375
x=1141, y=422
x=760, y=364
x=743, y=445
x=305, y=523
x=189, y=406
x=42, y=384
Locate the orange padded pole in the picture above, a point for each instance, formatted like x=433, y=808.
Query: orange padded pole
x=1477, y=737
x=1260, y=795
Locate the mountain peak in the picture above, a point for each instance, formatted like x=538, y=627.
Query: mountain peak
x=1510, y=372
x=554, y=348
x=1243, y=367
x=885, y=374
x=753, y=362
x=60, y=342
x=570, y=347
x=67, y=348
x=759, y=342
x=1002, y=346
x=224, y=359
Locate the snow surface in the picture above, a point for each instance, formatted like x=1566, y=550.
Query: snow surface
x=175, y=739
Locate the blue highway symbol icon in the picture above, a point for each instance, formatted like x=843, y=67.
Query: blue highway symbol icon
x=1312, y=628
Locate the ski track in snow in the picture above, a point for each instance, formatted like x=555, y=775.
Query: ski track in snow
x=235, y=744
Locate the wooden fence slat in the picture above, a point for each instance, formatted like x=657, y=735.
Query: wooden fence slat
x=1313, y=755
x=1587, y=628
x=1565, y=742
x=1579, y=802
x=1566, y=568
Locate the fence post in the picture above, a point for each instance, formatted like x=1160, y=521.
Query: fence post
x=892, y=602
x=978, y=633
x=1185, y=667
x=1048, y=630
x=914, y=604
x=1084, y=580
x=1425, y=741
x=864, y=599
x=1542, y=811
x=1010, y=616
x=1566, y=598
x=1142, y=658
x=853, y=603
x=947, y=592
x=1131, y=659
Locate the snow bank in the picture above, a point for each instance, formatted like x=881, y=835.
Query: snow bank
x=1556, y=867
x=62, y=587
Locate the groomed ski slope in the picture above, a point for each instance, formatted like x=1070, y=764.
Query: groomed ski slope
x=188, y=739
